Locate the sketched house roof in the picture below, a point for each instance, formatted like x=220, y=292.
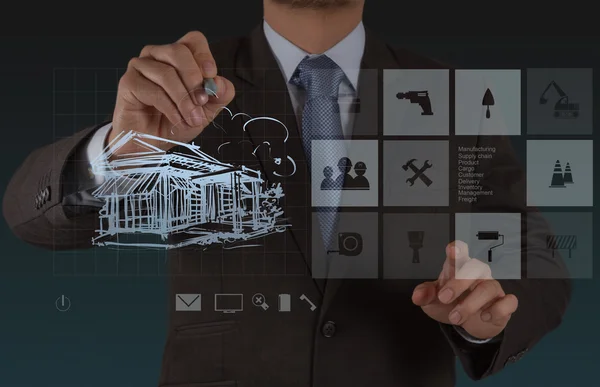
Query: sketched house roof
x=153, y=158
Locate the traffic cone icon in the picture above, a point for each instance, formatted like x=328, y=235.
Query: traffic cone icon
x=568, y=177
x=557, y=177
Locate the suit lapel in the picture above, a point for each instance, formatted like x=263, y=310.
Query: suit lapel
x=278, y=148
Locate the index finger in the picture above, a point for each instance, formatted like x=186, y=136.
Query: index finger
x=469, y=275
x=457, y=254
x=197, y=43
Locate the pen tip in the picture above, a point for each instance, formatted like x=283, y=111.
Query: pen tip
x=210, y=86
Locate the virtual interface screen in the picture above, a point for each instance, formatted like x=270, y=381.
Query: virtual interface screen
x=293, y=208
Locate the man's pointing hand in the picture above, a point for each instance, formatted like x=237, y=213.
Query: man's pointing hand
x=466, y=295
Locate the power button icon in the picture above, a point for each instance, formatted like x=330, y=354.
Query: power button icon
x=63, y=303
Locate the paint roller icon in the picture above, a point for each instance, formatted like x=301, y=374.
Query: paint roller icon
x=490, y=236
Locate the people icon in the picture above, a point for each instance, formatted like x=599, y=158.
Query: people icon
x=360, y=181
x=345, y=181
x=328, y=183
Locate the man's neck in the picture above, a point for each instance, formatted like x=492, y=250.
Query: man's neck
x=313, y=30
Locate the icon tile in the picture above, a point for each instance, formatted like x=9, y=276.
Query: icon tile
x=560, y=245
x=344, y=173
x=416, y=102
x=354, y=253
x=560, y=173
x=488, y=102
x=560, y=101
x=414, y=245
x=416, y=173
x=494, y=239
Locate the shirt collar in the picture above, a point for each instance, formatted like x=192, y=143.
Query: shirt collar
x=347, y=53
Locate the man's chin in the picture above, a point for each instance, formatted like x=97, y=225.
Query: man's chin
x=317, y=4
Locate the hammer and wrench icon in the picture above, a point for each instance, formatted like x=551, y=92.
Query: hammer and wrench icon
x=418, y=173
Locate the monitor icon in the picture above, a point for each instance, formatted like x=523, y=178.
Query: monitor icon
x=229, y=303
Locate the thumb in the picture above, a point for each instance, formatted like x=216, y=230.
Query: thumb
x=219, y=98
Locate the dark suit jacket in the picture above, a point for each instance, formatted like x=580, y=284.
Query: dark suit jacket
x=379, y=337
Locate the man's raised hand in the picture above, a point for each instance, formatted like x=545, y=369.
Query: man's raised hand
x=466, y=295
x=162, y=92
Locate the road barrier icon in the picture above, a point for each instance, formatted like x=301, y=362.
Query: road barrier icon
x=561, y=242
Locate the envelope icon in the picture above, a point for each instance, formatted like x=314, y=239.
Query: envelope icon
x=191, y=302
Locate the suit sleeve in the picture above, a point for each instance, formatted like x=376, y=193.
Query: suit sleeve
x=34, y=204
x=542, y=302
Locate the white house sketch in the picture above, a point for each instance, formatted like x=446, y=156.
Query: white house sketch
x=186, y=198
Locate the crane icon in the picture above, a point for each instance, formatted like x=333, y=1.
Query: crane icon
x=563, y=108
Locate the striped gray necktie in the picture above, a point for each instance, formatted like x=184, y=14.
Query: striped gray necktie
x=321, y=77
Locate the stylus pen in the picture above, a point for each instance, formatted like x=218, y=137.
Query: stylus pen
x=210, y=86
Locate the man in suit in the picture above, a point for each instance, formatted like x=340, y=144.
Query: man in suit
x=363, y=332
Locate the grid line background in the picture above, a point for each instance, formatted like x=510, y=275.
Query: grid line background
x=85, y=97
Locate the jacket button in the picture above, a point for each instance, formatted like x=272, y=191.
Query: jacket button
x=328, y=330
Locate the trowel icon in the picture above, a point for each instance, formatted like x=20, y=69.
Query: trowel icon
x=488, y=100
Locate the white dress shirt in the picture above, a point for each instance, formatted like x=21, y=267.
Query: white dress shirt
x=347, y=54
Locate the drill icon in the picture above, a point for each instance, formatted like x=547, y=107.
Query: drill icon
x=420, y=97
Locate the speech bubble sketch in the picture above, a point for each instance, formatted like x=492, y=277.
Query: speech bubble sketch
x=222, y=145
x=279, y=161
x=233, y=116
x=276, y=160
x=185, y=199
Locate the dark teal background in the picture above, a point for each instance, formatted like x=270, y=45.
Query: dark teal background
x=116, y=327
